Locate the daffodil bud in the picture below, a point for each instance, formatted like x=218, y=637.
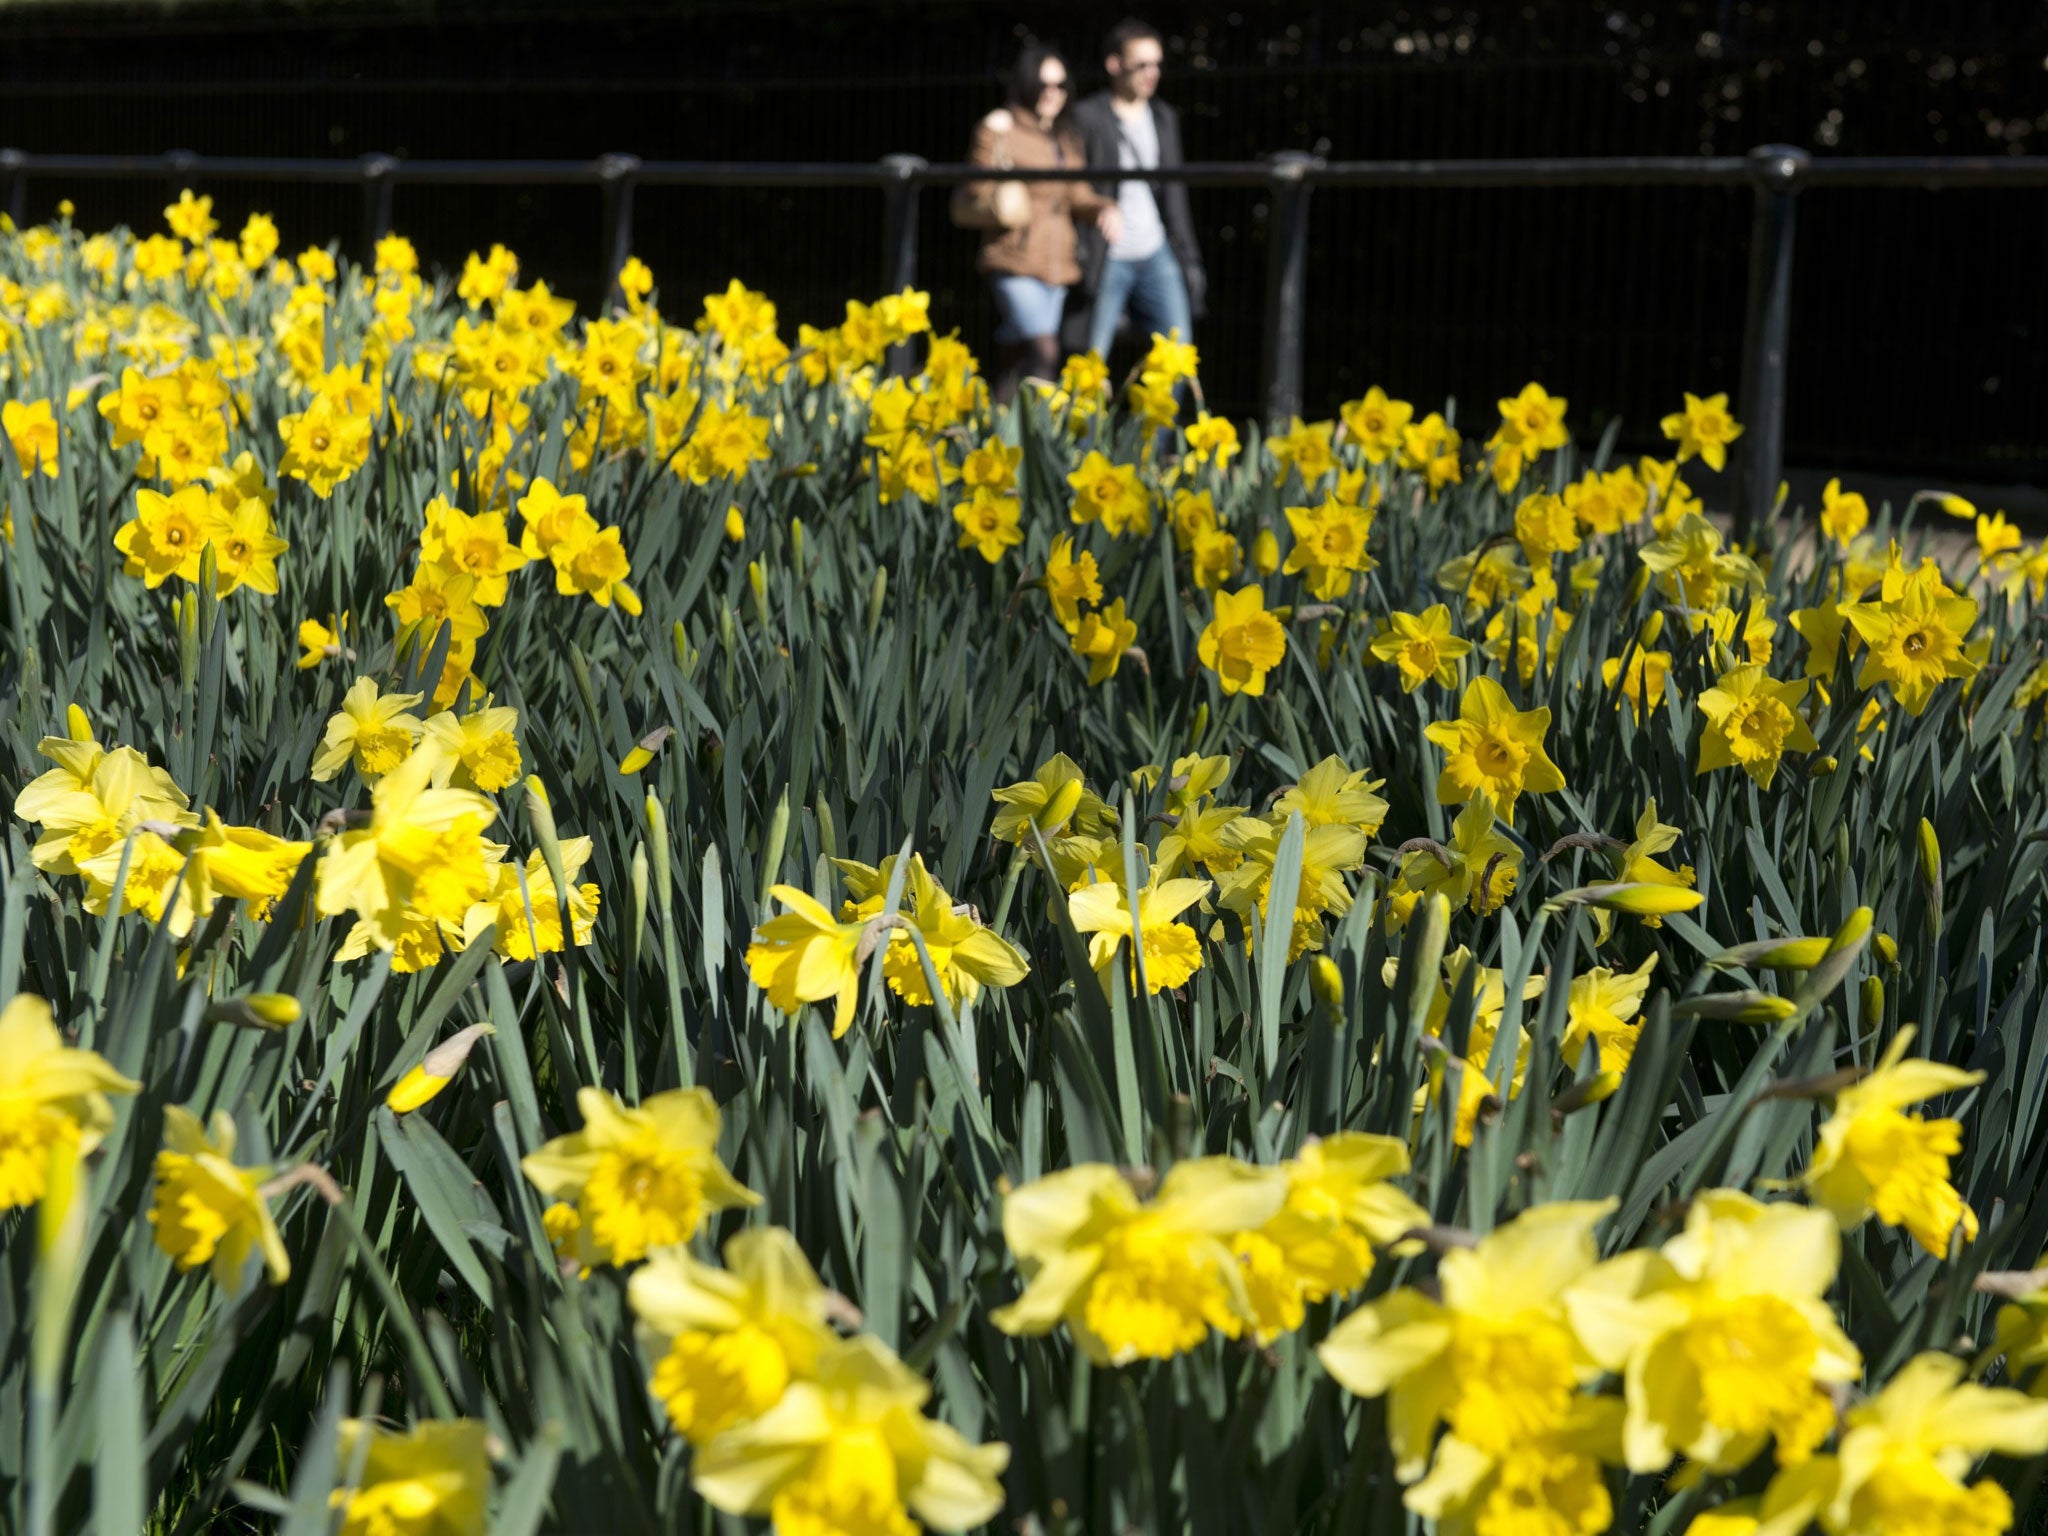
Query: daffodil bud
x=1201, y=722
x=1328, y=984
x=1265, y=553
x=209, y=584
x=727, y=636
x=1774, y=954
x=1822, y=767
x=1651, y=631
x=1930, y=855
x=686, y=656
x=657, y=847
x=435, y=1071
x=1638, y=899
x=76, y=725
x=1887, y=950
x=1871, y=999
x=642, y=751
x=639, y=879
x=757, y=582
x=187, y=612
x=771, y=850
x=1744, y=1007
x=259, y=1010
x=735, y=525
x=1854, y=930
x=828, y=830
x=579, y=668
x=878, y=591
x=1954, y=505
x=542, y=817
x=796, y=544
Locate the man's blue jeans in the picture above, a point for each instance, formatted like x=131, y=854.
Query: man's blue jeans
x=1155, y=292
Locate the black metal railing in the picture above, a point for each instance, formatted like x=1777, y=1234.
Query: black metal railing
x=1777, y=174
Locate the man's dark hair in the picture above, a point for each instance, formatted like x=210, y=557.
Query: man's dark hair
x=1124, y=33
x=1022, y=87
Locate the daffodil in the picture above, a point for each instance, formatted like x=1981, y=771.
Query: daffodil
x=1752, y=722
x=472, y=751
x=207, y=1208
x=966, y=955
x=1243, y=642
x=806, y=955
x=475, y=544
x=1101, y=638
x=1340, y=1205
x=1493, y=1356
x=1070, y=580
x=420, y=855
x=93, y=800
x=1873, y=1158
x=1305, y=448
x=431, y=1480
x=1494, y=747
x=851, y=1450
x=1603, y=1009
x=1843, y=514
x=1692, y=568
x=522, y=908
x=1643, y=685
x=1110, y=494
x=1423, y=647
x=31, y=431
x=1479, y=865
x=372, y=730
x=166, y=536
x=1545, y=527
x=636, y=1179
x=1334, y=794
x=728, y=1342
x=1136, y=1279
x=1724, y=1337
x=1553, y=1482
x=1172, y=952
x=1329, y=546
x=1377, y=424
x=1914, y=643
x=1328, y=852
x=1055, y=795
x=988, y=521
x=51, y=1096
x=1904, y=1457
x=1703, y=430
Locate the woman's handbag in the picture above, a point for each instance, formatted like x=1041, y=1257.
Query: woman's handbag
x=1003, y=205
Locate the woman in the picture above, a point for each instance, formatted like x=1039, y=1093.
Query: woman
x=1027, y=244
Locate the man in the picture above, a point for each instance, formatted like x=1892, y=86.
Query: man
x=1154, y=267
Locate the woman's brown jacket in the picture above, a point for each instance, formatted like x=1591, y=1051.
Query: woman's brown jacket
x=1043, y=248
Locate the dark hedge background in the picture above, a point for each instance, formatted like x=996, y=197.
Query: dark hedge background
x=1919, y=317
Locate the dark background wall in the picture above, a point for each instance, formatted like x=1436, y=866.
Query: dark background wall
x=1919, y=317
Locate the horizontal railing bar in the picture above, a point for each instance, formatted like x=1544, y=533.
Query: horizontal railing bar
x=1630, y=170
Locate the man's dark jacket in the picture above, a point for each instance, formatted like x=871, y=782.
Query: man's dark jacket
x=1097, y=122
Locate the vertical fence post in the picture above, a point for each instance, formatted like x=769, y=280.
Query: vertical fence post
x=1286, y=278
x=1766, y=332
x=617, y=175
x=14, y=167
x=377, y=171
x=899, y=237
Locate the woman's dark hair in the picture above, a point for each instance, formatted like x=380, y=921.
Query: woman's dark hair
x=1023, y=81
